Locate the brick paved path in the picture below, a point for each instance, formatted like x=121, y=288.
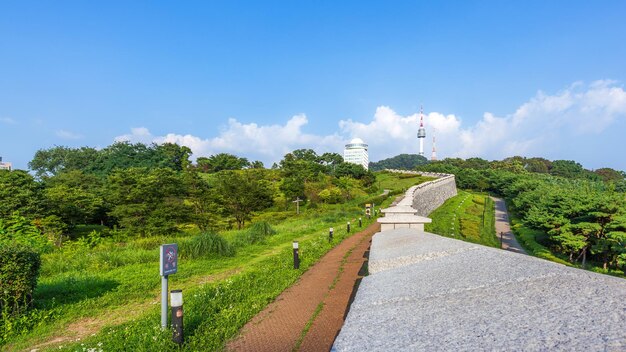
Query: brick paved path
x=308, y=315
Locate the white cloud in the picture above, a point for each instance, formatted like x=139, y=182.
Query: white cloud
x=543, y=125
x=7, y=120
x=546, y=125
x=68, y=135
x=268, y=143
x=137, y=135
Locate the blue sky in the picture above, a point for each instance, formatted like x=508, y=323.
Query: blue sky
x=258, y=79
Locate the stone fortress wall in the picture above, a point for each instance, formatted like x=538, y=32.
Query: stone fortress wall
x=430, y=195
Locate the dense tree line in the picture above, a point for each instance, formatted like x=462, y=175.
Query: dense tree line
x=581, y=212
x=155, y=189
x=399, y=162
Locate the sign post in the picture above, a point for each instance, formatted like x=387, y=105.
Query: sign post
x=168, y=265
x=297, y=201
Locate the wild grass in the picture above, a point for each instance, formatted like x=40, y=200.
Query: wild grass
x=205, y=245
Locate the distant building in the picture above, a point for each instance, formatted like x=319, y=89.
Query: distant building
x=356, y=153
x=5, y=165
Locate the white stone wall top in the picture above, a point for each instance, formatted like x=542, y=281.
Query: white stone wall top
x=430, y=293
x=404, y=219
x=403, y=209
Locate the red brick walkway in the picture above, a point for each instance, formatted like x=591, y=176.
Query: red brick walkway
x=308, y=315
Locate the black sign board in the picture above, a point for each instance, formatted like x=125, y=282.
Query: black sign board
x=169, y=259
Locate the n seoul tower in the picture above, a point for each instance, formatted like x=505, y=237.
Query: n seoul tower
x=421, y=133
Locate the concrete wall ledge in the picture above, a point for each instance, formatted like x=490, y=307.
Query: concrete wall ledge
x=430, y=293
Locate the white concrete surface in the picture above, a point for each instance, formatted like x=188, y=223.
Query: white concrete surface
x=430, y=293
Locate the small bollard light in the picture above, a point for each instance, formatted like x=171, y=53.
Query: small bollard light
x=360, y=222
x=296, y=257
x=348, y=226
x=330, y=234
x=176, y=299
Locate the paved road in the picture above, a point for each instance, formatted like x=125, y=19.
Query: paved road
x=502, y=227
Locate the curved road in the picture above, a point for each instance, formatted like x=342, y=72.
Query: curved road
x=503, y=229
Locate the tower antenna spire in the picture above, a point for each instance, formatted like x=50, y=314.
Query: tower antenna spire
x=421, y=132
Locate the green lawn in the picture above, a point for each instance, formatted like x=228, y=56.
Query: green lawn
x=467, y=216
x=398, y=182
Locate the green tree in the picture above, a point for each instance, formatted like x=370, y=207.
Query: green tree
x=257, y=165
x=19, y=192
x=538, y=165
x=610, y=175
x=222, y=161
x=75, y=197
x=172, y=156
x=48, y=162
x=147, y=201
x=18, y=229
x=566, y=168
x=401, y=162
x=242, y=192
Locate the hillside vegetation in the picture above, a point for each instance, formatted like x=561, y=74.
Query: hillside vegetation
x=562, y=211
x=98, y=237
x=399, y=162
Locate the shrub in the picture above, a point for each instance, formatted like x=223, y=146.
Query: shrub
x=18, y=229
x=205, y=245
x=257, y=233
x=19, y=269
x=274, y=217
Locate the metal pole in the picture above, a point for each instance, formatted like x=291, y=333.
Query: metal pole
x=164, y=301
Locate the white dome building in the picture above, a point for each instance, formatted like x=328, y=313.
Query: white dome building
x=356, y=153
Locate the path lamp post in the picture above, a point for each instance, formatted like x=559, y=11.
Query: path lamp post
x=296, y=256
x=360, y=222
x=330, y=234
x=176, y=297
x=348, y=226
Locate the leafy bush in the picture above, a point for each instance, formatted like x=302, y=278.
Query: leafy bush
x=19, y=269
x=205, y=245
x=18, y=229
x=527, y=238
x=330, y=195
x=257, y=233
x=274, y=217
